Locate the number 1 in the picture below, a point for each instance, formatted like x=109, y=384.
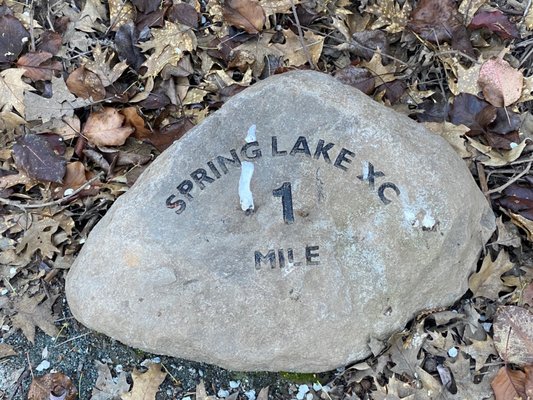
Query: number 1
x=286, y=200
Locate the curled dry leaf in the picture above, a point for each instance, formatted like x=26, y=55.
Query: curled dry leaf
x=245, y=14
x=513, y=335
x=501, y=83
x=54, y=386
x=104, y=128
x=134, y=120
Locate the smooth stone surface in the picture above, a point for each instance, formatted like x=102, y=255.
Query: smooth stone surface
x=371, y=244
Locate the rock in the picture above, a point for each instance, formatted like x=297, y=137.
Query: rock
x=355, y=219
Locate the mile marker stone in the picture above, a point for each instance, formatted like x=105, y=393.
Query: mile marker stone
x=292, y=226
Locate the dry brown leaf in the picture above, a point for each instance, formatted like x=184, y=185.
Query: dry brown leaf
x=121, y=12
x=36, y=65
x=501, y=83
x=134, y=120
x=272, y=7
x=39, y=237
x=168, y=45
x=104, y=128
x=382, y=73
x=509, y=384
x=86, y=84
x=107, y=388
x=54, y=386
x=513, y=335
x=480, y=350
x=33, y=312
x=293, y=52
x=101, y=66
x=529, y=381
x=525, y=224
x=12, y=89
x=528, y=19
x=467, y=79
x=245, y=14
x=6, y=350
x=390, y=15
x=497, y=158
x=487, y=282
x=145, y=385
x=454, y=135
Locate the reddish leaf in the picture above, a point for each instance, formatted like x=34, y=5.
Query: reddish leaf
x=54, y=386
x=170, y=133
x=495, y=21
x=38, y=65
x=104, y=128
x=501, y=83
x=14, y=37
x=245, y=14
x=438, y=21
x=50, y=42
x=34, y=155
x=509, y=384
x=360, y=78
x=134, y=120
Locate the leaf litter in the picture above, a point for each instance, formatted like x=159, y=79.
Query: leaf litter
x=118, y=82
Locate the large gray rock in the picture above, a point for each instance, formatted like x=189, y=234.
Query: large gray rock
x=361, y=218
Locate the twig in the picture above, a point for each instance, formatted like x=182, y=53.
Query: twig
x=510, y=181
x=71, y=339
x=24, y=206
x=301, y=36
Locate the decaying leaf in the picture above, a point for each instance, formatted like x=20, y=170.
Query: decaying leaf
x=513, y=334
x=495, y=21
x=38, y=65
x=39, y=237
x=134, y=120
x=145, y=385
x=121, y=12
x=501, y=83
x=32, y=312
x=524, y=223
x=487, y=282
x=245, y=14
x=509, y=384
x=382, y=73
x=54, y=386
x=6, y=350
x=35, y=156
x=104, y=128
x=469, y=7
x=107, y=388
x=12, y=89
x=101, y=66
x=496, y=158
x=390, y=15
x=293, y=52
x=86, y=84
x=168, y=45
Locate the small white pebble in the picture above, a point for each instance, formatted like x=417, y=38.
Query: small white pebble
x=3, y=292
x=302, y=391
x=250, y=394
x=68, y=192
x=300, y=396
x=186, y=398
x=156, y=360
x=223, y=393
x=317, y=387
x=44, y=353
x=487, y=326
x=12, y=272
x=234, y=384
x=119, y=368
x=201, y=373
x=452, y=352
x=45, y=364
x=309, y=396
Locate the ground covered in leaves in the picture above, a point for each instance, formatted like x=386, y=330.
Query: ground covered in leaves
x=92, y=92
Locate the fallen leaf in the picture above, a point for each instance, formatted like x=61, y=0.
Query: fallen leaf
x=390, y=15
x=121, y=12
x=501, y=83
x=487, y=282
x=469, y=7
x=107, y=387
x=480, y=350
x=360, y=78
x=168, y=45
x=35, y=156
x=509, y=384
x=245, y=14
x=14, y=38
x=495, y=158
x=293, y=52
x=39, y=237
x=495, y=21
x=101, y=66
x=54, y=386
x=86, y=84
x=134, y=120
x=454, y=135
x=6, y=350
x=382, y=73
x=184, y=14
x=467, y=80
x=145, y=385
x=38, y=65
x=104, y=128
x=32, y=312
x=12, y=89
x=513, y=334
x=170, y=133
x=524, y=223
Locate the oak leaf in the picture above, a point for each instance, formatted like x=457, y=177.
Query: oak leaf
x=390, y=15
x=145, y=385
x=168, y=45
x=501, y=83
x=121, y=12
x=245, y=14
x=293, y=52
x=101, y=66
x=104, y=128
x=39, y=237
x=12, y=89
x=32, y=312
x=487, y=282
x=107, y=388
x=38, y=65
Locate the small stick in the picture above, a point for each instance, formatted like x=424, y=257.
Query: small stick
x=49, y=203
x=301, y=36
x=71, y=339
x=510, y=181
